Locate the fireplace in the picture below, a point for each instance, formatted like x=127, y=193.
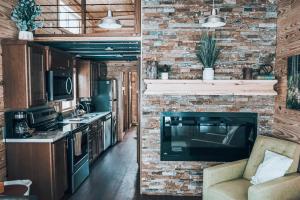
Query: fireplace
x=207, y=136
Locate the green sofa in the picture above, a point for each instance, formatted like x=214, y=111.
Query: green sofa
x=231, y=181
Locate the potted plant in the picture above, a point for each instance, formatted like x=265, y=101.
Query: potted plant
x=163, y=71
x=24, y=15
x=207, y=53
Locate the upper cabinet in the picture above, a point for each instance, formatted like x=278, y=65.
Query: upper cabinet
x=24, y=65
x=36, y=63
x=58, y=60
x=88, y=73
x=24, y=72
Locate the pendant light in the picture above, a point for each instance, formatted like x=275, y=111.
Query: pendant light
x=109, y=22
x=214, y=20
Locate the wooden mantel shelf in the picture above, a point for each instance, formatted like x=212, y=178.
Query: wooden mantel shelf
x=213, y=87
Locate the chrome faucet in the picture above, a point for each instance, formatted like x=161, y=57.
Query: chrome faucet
x=76, y=109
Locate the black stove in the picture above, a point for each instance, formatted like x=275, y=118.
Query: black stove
x=45, y=119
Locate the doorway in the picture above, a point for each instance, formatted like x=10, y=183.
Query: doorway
x=130, y=87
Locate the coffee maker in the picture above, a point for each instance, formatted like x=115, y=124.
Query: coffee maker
x=16, y=125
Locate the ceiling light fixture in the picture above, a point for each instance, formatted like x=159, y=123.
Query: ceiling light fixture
x=109, y=22
x=109, y=49
x=214, y=20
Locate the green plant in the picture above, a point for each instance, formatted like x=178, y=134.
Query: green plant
x=24, y=15
x=207, y=51
x=164, y=68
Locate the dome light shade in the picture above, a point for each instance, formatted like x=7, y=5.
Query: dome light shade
x=214, y=20
x=109, y=22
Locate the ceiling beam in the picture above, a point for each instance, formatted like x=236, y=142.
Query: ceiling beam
x=102, y=52
x=84, y=38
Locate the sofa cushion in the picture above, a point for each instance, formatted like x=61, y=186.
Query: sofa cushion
x=229, y=190
x=263, y=143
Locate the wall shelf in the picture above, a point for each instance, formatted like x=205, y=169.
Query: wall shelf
x=213, y=87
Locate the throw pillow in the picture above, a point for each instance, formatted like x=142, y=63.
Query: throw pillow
x=273, y=166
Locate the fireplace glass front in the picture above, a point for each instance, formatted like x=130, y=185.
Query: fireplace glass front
x=203, y=136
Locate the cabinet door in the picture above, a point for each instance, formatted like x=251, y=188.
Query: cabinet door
x=101, y=136
x=59, y=60
x=36, y=75
x=94, y=78
x=102, y=70
x=84, y=78
x=59, y=156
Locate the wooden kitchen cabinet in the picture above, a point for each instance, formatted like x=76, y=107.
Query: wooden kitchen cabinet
x=87, y=77
x=60, y=172
x=95, y=77
x=24, y=65
x=103, y=70
x=45, y=164
x=58, y=59
x=96, y=145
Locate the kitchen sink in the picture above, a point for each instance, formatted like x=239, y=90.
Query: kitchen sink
x=91, y=115
x=84, y=117
x=76, y=119
x=79, y=118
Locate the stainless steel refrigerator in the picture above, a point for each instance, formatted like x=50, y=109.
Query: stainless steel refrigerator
x=106, y=100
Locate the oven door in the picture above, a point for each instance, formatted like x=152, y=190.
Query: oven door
x=78, y=153
x=60, y=85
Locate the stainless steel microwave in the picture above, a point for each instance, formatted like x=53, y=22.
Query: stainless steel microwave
x=60, y=85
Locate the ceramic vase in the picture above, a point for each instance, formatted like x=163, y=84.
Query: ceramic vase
x=164, y=75
x=25, y=35
x=208, y=74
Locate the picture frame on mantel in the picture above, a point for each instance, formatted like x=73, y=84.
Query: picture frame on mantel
x=293, y=80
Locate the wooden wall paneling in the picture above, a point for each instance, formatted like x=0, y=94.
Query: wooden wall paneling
x=125, y=85
x=286, y=122
x=137, y=16
x=7, y=30
x=134, y=98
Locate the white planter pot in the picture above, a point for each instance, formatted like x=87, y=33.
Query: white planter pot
x=164, y=75
x=25, y=35
x=208, y=74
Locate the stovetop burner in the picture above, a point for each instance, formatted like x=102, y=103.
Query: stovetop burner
x=45, y=119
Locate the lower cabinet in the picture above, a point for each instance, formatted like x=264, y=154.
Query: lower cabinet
x=45, y=164
x=95, y=140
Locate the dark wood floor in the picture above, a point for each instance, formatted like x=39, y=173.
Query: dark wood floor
x=114, y=176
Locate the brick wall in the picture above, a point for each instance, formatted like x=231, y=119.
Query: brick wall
x=171, y=30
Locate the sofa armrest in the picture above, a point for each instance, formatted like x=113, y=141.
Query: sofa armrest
x=284, y=188
x=221, y=173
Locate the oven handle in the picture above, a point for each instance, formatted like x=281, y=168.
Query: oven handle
x=69, y=85
x=70, y=146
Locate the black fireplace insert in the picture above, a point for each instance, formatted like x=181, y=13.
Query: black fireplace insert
x=207, y=136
